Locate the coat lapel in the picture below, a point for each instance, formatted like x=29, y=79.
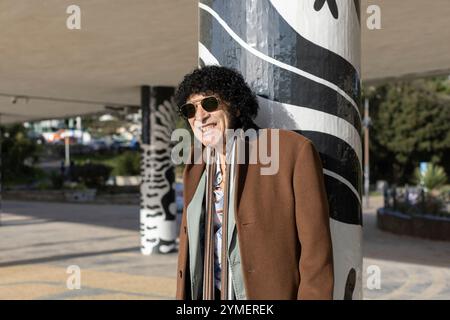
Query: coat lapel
x=192, y=175
x=243, y=159
x=195, y=216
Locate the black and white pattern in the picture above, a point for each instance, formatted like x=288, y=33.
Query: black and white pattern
x=302, y=58
x=158, y=207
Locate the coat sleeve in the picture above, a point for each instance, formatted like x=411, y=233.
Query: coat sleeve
x=312, y=219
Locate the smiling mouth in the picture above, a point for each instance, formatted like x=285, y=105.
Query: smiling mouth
x=208, y=127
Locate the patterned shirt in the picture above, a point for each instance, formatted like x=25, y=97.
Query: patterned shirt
x=218, y=214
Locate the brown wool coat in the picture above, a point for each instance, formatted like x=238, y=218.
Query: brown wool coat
x=282, y=222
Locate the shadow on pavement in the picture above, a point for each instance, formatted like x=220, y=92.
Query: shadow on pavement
x=111, y=216
x=66, y=257
x=383, y=245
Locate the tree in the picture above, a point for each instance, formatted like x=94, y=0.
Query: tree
x=410, y=124
x=19, y=153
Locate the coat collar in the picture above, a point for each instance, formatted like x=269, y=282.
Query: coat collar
x=194, y=170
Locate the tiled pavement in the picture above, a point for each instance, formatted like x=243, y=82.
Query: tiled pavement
x=38, y=241
x=411, y=268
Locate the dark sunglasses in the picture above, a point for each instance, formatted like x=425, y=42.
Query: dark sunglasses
x=209, y=104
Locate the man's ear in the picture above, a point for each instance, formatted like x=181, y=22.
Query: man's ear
x=238, y=113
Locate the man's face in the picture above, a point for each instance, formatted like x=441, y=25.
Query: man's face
x=209, y=127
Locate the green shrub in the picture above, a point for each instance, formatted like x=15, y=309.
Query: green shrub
x=93, y=175
x=43, y=185
x=427, y=203
x=433, y=178
x=128, y=164
x=56, y=179
x=19, y=154
x=444, y=193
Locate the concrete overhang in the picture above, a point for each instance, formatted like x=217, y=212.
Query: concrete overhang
x=125, y=44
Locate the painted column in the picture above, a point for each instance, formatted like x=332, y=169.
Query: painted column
x=1, y=170
x=302, y=58
x=158, y=208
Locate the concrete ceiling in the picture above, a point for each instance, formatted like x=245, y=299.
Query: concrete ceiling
x=414, y=40
x=123, y=44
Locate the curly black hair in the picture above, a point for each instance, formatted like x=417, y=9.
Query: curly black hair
x=229, y=85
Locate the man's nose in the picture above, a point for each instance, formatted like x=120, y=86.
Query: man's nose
x=200, y=113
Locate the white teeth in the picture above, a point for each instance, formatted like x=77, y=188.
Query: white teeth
x=207, y=128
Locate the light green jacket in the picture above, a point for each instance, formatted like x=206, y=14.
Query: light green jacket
x=195, y=227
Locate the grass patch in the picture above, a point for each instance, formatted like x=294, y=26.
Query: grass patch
x=126, y=163
x=118, y=161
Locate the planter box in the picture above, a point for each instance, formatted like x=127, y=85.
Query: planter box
x=127, y=180
x=33, y=195
x=80, y=195
x=426, y=226
x=64, y=196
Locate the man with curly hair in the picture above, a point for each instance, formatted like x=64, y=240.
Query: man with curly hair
x=278, y=239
